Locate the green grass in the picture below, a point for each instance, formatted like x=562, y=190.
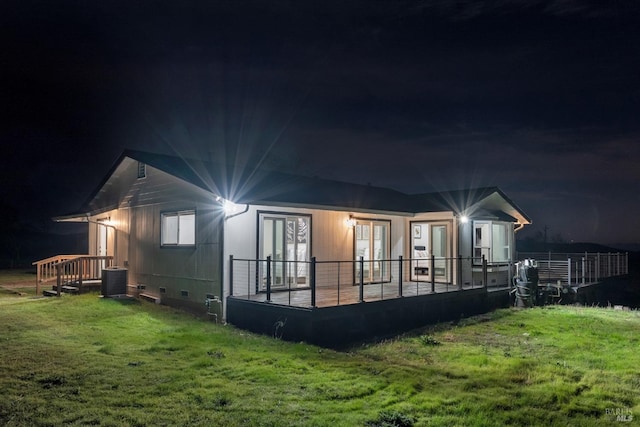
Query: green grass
x=87, y=360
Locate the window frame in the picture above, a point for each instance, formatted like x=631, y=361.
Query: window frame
x=178, y=214
x=487, y=243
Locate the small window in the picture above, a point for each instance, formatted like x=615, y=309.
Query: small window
x=178, y=228
x=142, y=170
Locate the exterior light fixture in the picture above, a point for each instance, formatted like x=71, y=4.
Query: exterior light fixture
x=351, y=222
x=464, y=219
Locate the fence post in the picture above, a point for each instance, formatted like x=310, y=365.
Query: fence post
x=269, y=278
x=400, y=276
x=312, y=273
x=569, y=270
x=433, y=275
x=485, y=276
x=361, y=280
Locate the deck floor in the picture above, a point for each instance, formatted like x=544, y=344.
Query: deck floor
x=330, y=297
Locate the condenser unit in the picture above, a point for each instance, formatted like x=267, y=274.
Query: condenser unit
x=114, y=281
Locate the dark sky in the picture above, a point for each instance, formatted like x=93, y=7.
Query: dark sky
x=540, y=98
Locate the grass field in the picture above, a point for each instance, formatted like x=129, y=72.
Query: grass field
x=86, y=360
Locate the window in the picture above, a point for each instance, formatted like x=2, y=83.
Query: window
x=492, y=240
x=142, y=170
x=178, y=228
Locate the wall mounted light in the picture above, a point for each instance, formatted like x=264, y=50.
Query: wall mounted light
x=464, y=219
x=351, y=222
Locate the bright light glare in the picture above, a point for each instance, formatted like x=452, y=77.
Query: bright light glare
x=464, y=219
x=231, y=208
x=351, y=222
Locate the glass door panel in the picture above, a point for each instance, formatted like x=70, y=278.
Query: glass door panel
x=439, y=250
x=372, y=244
x=273, y=246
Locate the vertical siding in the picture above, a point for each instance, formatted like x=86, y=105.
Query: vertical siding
x=196, y=269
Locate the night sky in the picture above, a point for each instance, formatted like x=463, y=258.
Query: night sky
x=540, y=98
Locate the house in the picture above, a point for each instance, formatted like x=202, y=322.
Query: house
x=191, y=232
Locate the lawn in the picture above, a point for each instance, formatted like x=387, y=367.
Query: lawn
x=88, y=360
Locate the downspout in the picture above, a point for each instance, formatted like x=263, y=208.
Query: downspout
x=223, y=260
x=518, y=228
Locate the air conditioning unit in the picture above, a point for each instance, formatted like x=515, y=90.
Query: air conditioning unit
x=114, y=281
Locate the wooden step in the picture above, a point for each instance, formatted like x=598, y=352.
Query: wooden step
x=70, y=289
x=49, y=293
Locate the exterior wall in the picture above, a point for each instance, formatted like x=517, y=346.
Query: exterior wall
x=180, y=276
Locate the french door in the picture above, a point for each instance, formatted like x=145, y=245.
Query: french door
x=286, y=240
x=429, y=239
x=372, y=243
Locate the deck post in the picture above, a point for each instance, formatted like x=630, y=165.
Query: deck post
x=269, y=278
x=81, y=269
x=433, y=276
x=58, y=279
x=361, y=280
x=597, y=266
x=485, y=275
x=583, y=268
x=569, y=271
x=38, y=268
x=400, y=276
x=312, y=273
x=231, y=275
x=459, y=272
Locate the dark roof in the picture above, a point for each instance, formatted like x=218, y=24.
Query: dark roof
x=261, y=186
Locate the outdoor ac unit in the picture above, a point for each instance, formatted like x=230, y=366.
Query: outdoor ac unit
x=114, y=281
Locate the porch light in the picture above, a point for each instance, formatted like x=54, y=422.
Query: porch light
x=464, y=219
x=351, y=222
x=231, y=208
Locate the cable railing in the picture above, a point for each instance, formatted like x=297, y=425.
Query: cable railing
x=576, y=269
x=317, y=283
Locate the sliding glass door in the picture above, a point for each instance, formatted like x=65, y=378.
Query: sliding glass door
x=286, y=240
x=429, y=239
x=372, y=244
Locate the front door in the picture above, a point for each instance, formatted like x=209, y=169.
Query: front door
x=101, y=242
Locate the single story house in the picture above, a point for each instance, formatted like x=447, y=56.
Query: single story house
x=192, y=231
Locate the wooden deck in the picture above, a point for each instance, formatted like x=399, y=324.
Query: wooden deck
x=346, y=295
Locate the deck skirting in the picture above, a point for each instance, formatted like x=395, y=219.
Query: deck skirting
x=341, y=325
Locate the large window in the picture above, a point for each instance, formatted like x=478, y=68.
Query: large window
x=286, y=239
x=492, y=240
x=178, y=228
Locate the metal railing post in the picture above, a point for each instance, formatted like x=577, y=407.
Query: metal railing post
x=569, y=270
x=269, y=278
x=400, y=276
x=361, y=279
x=312, y=275
x=459, y=272
x=583, y=268
x=231, y=275
x=433, y=275
x=485, y=275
